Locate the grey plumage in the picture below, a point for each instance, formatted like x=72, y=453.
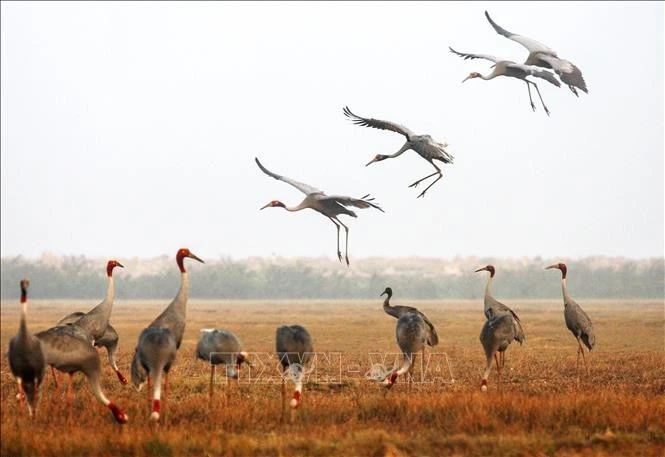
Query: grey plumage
x=330, y=206
x=294, y=348
x=26, y=357
x=543, y=56
x=398, y=311
x=503, y=67
x=221, y=346
x=411, y=333
x=577, y=321
x=494, y=308
x=424, y=145
x=495, y=336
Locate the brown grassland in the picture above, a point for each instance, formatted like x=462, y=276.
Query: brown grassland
x=544, y=405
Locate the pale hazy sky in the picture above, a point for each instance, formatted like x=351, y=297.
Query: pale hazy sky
x=130, y=129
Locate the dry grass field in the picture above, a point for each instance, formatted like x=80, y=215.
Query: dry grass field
x=544, y=405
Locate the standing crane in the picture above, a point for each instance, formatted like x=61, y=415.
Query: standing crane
x=411, y=333
x=577, y=321
x=26, y=357
x=96, y=321
x=543, y=56
x=495, y=308
x=398, y=311
x=220, y=346
x=294, y=348
x=509, y=68
x=159, y=342
x=67, y=348
x=330, y=206
x=424, y=145
x=495, y=336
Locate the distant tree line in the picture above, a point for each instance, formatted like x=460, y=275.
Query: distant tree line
x=228, y=279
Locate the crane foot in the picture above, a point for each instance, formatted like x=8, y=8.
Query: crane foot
x=339, y=255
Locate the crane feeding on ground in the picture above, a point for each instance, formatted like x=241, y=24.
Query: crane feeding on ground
x=424, y=145
x=411, y=332
x=509, y=68
x=330, y=206
x=295, y=349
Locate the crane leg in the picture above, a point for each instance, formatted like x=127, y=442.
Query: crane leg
x=581, y=350
x=228, y=391
x=437, y=172
x=69, y=388
x=55, y=378
x=20, y=396
x=346, y=248
x=541, y=98
x=212, y=379
x=283, y=406
x=533, y=107
x=339, y=253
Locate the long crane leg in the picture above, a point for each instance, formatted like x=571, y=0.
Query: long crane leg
x=539, y=96
x=346, y=250
x=437, y=172
x=581, y=350
x=212, y=378
x=339, y=253
x=533, y=107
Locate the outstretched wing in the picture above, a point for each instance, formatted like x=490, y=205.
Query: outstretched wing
x=568, y=72
x=363, y=202
x=529, y=43
x=466, y=56
x=536, y=71
x=304, y=188
x=377, y=123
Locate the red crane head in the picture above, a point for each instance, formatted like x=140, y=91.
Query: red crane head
x=180, y=256
x=111, y=265
x=274, y=204
x=377, y=158
x=24, y=283
x=489, y=268
x=561, y=266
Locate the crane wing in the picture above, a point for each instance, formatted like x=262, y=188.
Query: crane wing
x=377, y=123
x=567, y=71
x=535, y=71
x=364, y=202
x=466, y=56
x=529, y=43
x=304, y=188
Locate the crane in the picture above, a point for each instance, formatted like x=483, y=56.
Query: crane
x=509, y=68
x=411, y=333
x=67, y=348
x=424, y=145
x=495, y=308
x=577, y=321
x=26, y=357
x=330, y=206
x=154, y=353
x=294, y=348
x=543, y=56
x=495, y=336
x=96, y=321
x=221, y=346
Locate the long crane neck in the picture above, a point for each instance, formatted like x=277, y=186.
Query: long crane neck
x=23, y=329
x=404, y=148
x=564, y=288
x=488, y=289
x=179, y=303
x=110, y=290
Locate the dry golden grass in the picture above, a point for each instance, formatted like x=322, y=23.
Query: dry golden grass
x=543, y=406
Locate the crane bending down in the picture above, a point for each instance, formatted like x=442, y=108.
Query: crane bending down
x=577, y=321
x=494, y=308
x=330, y=206
x=495, y=336
x=504, y=67
x=294, y=348
x=96, y=321
x=26, y=357
x=543, y=56
x=411, y=333
x=424, y=145
x=220, y=346
x=158, y=343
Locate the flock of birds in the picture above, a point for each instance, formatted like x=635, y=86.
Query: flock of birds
x=70, y=346
x=537, y=64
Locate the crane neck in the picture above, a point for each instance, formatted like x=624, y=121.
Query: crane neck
x=564, y=290
x=488, y=287
x=110, y=290
x=488, y=77
x=404, y=148
x=180, y=301
x=23, y=328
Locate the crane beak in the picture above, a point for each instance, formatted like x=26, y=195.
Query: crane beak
x=265, y=206
x=552, y=266
x=481, y=269
x=192, y=256
x=468, y=77
x=371, y=161
x=118, y=264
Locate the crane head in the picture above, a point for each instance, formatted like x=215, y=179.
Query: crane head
x=473, y=74
x=273, y=204
x=388, y=291
x=560, y=266
x=111, y=265
x=184, y=252
x=25, y=283
x=489, y=268
x=377, y=158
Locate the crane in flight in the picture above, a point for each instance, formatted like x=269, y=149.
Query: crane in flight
x=424, y=145
x=503, y=67
x=330, y=206
x=543, y=56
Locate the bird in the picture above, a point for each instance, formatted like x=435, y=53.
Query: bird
x=424, y=145
x=494, y=308
x=221, y=346
x=577, y=321
x=158, y=343
x=543, y=56
x=294, y=348
x=330, y=206
x=503, y=67
x=26, y=357
x=495, y=336
x=96, y=321
x=411, y=333
x=398, y=311
x=67, y=348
